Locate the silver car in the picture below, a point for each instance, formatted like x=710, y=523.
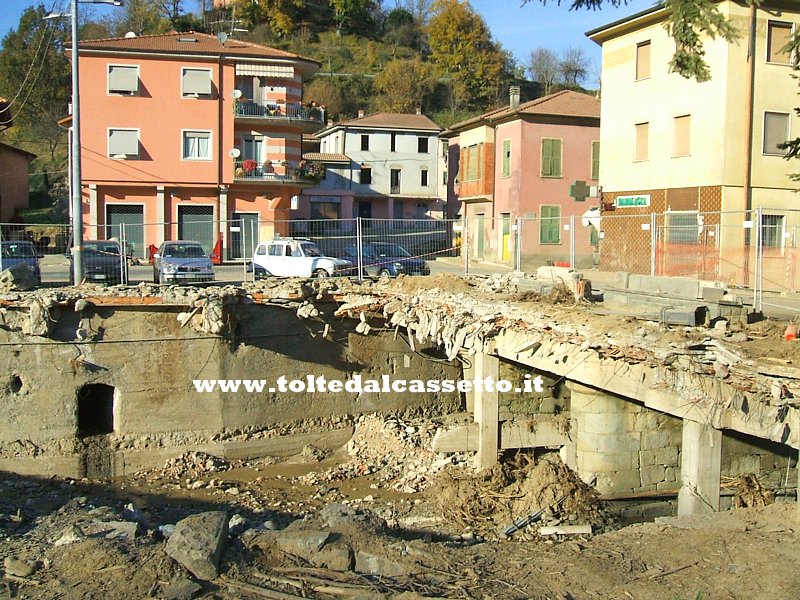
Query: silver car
x=182, y=262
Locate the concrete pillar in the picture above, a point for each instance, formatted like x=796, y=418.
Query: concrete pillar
x=468, y=374
x=161, y=217
x=606, y=441
x=487, y=412
x=701, y=455
x=92, y=229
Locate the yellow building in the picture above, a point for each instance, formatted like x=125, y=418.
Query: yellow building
x=703, y=156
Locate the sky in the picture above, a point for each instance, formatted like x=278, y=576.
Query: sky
x=519, y=27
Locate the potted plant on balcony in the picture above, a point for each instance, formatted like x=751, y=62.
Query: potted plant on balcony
x=249, y=166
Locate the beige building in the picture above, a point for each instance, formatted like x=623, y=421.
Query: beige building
x=682, y=148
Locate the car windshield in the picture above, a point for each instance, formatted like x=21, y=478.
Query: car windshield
x=184, y=251
x=18, y=251
x=311, y=249
x=101, y=248
x=389, y=250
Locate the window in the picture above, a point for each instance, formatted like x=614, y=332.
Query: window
x=195, y=82
x=444, y=179
x=365, y=175
x=776, y=132
x=365, y=142
x=772, y=231
x=473, y=162
x=506, y=158
x=681, y=143
x=394, y=181
x=276, y=249
x=423, y=178
x=643, y=60
x=422, y=145
x=551, y=157
x=778, y=36
x=123, y=79
x=123, y=143
x=682, y=227
x=550, y=224
x=196, y=145
x=393, y=143
x=595, y=174
x=642, y=141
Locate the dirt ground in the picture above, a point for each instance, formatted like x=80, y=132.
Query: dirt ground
x=429, y=528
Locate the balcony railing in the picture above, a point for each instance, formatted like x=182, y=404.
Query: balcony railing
x=249, y=109
x=277, y=172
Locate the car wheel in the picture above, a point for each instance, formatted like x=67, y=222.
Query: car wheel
x=320, y=273
x=384, y=274
x=162, y=279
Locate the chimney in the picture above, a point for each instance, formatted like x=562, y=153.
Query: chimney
x=360, y=114
x=419, y=110
x=513, y=93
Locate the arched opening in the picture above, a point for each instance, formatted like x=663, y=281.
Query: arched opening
x=95, y=409
x=15, y=384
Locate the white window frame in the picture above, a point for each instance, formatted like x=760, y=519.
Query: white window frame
x=427, y=182
x=210, y=72
x=210, y=145
x=788, y=116
x=111, y=92
x=780, y=231
x=122, y=156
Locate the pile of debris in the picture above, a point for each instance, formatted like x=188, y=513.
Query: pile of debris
x=397, y=451
x=189, y=465
x=523, y=495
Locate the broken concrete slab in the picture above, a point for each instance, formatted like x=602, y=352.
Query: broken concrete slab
x=197, y=543
x=373, y=564
x=19, y=277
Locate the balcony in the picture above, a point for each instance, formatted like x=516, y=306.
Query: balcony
x=276, y=172
x=305, y=118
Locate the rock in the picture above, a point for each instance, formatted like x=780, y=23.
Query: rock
x=71, y=535
x=18, y=568
x=234, y=491
x=302, y=542
x=182, y=589
x=197, y=543
x=19, y=277
x=337, y=556
x=236, y=522
x=366, y=562
x=118, y=529
x=166, y=530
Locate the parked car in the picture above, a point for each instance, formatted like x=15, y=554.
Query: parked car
x=16, y=252
x=102, y=262
x=182, y=262
x=296, y=257
x=384, y=259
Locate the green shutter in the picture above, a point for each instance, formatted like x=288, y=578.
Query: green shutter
x=556, y=161
x=547, y=158
x=550, y=225
x=595, y=160
x=506, y=158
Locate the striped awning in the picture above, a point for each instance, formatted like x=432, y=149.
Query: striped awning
x=265, y=70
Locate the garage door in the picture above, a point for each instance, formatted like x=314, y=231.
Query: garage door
x=132, y=218
x=196, y=223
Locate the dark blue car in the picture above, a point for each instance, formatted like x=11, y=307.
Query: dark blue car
x=16, y=252
x=384, y=259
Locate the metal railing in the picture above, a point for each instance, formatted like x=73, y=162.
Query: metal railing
x=279, y=111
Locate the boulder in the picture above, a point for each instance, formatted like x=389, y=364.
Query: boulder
x=197, y=543
x=20, y=277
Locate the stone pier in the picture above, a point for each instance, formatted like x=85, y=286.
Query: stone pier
x=487, y=411
x=700, y=468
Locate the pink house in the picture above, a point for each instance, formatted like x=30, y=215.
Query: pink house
x=13, y=181
x=537, y=160
x=191, y=136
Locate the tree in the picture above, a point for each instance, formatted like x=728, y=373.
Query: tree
x=139, y=16
x=420, y=10
x=403, y=85
x=687, y=22
x=574, y=66
x=354, y=16
x=400, y=29
x=544, y=68
x=35, y=77
x=463, y=50
x=171, y=9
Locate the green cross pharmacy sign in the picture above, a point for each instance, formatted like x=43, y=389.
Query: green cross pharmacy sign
x=630, y=201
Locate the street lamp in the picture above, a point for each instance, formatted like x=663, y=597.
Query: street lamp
x=77, y=199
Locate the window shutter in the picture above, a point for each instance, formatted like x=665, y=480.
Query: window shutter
x=556, y=158
x=197, y=81
x=776, y=132
x=506, y=158
x=123, y=79
x=123, y=141
x=547, y=158
x=595, y=161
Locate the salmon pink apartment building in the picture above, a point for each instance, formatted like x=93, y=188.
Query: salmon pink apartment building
x=191, y=136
